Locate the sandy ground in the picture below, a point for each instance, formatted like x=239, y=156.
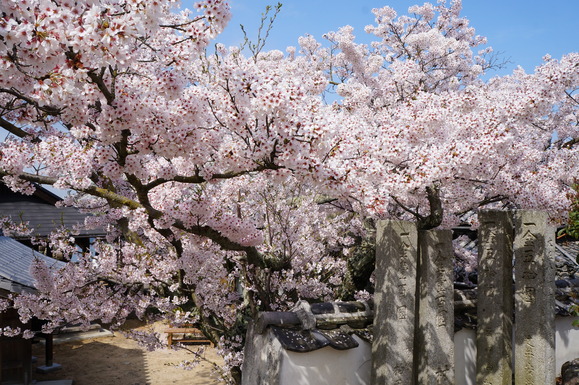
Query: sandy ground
x=117, y=360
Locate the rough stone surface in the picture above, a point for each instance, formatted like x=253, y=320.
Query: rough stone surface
x=495, y=298
x=435, y=334
x=262, y=362
x=534, y=246
x=396, y=258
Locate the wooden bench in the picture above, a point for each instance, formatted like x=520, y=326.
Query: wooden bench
x=189, y=335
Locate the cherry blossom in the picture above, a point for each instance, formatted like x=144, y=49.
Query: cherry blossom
x=225, y=183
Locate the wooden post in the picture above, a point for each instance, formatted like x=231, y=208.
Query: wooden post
x=49, y=350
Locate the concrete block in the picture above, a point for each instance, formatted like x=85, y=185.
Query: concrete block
x=48, y=369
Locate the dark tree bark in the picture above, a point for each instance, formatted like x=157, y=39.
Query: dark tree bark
x=362, y=261
x=360, y=268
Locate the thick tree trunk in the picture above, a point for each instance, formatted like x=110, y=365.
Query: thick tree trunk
x=360, y=268
x=361, y=263
x=434, y=219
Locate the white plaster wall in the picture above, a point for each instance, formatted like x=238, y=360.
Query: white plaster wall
x=465, y=357
x=566, y=341
x=566, y=349
x=328, y=366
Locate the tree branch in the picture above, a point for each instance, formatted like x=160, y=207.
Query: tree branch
x=199, y=179
x=254, y=257
x=98, y=80
x=486, y=201
x=405, y=208
x=50, y=110
x=432, y=220
x=92, y=190
x=12, y=128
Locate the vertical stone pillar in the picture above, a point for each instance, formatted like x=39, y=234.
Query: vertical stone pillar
x=534, y=299
x=394, y=303
x=495, y=299
x=435, y=335
x=263, y=356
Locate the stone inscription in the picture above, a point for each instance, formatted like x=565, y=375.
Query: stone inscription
x=436, y=309
x=403, y=274
x=534, y=296
x=495, y=298
x=441, y=300
x=394, y=302
x=529, y=360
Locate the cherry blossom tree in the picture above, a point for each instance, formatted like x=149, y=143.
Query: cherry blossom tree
x=194, y=163
x=424, y=138
x=441, y=137
x=227, y=185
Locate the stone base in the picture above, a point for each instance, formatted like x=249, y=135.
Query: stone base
x=48, y=369
x=54, y=382
x=78, y=336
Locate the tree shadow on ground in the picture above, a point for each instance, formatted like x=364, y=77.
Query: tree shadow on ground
x=95, y=363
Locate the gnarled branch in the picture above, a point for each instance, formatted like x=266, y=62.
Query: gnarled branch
x=11, y=128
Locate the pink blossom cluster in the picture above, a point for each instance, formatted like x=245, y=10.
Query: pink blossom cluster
x=146, y=338
x=466, y=253
x=414, y=114
x=225, y=184
x=11, y=228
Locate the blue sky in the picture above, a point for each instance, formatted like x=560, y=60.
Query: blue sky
x=522, y=30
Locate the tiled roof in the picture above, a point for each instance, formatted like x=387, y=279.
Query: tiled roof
x=298, y=340
x=332, y=324
x=15, y=262
x=313, y=326
x=40, y=211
